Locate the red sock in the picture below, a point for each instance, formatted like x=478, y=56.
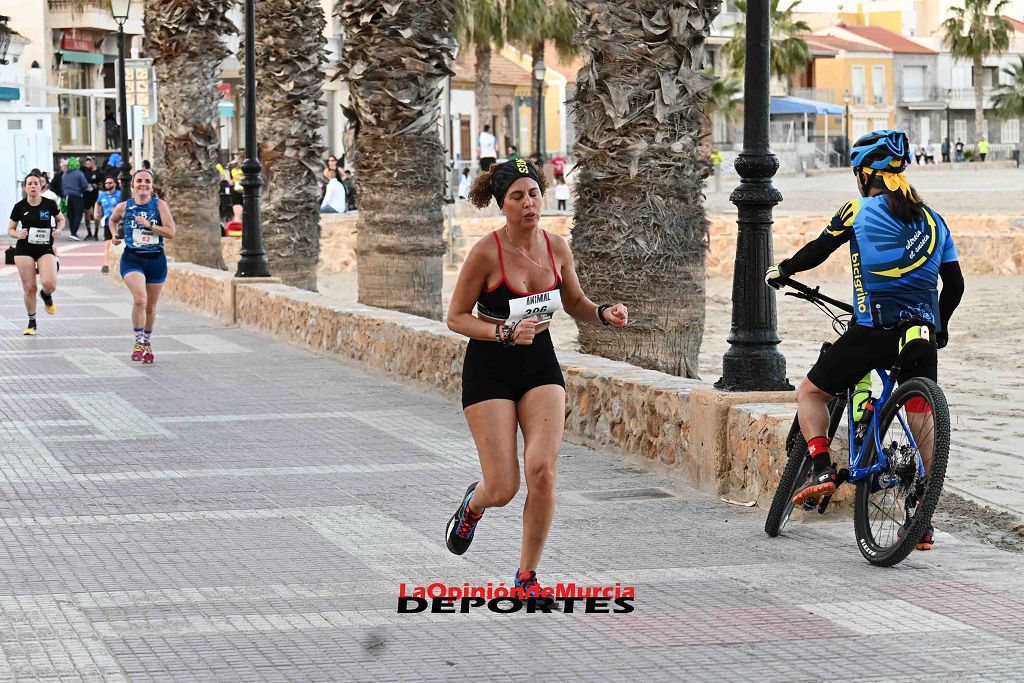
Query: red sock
x=817, y=447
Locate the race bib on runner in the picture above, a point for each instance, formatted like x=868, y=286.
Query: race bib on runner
x=38, y=235
x=540, y=306
x=145, y=238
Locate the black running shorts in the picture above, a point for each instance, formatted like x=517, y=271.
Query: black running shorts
x=492, y=371
x=861, y=349
x=36, y=251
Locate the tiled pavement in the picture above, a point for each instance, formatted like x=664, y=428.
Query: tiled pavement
x=245, y=510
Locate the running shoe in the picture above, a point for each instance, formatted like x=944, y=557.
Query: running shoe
x=105, y=269
x=822, y=484
x=462, y=525
x=51, y=307
x=147, y=355
x=76, y=238
x=528, y=582
x=30, y=330
x=138, y=352
x=927, y=540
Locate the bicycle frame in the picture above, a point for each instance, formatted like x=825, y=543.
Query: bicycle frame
x=873, y=436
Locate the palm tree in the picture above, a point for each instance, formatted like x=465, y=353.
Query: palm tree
x=289, y=59
x=789, y=52
x=540, y=21
x=1008, y=99
x=972, y=33
x=395, y=59
x=640, y=234
x=186, y=40
x=481, y=24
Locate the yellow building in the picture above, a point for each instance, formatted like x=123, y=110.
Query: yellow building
x=856, y=74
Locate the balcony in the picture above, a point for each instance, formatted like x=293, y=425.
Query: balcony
x=91, y=14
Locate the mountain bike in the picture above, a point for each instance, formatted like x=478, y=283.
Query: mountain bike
x=898, y=483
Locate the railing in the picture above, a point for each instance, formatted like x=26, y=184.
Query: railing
x=816, y=94
x=921, y=94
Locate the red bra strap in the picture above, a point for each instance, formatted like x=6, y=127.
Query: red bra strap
x=501, y=258
x=551, y=253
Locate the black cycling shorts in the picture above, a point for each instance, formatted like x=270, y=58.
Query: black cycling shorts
x=492, y=371
x=862, y=349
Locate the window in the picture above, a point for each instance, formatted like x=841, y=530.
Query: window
x=858, y=84
x=1009, y=132
x=913, y=83
x=878, y=84
x=74, y=109
x=960, y=130
x=860, y=128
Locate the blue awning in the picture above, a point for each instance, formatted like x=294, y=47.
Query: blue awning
x=798, y=105
x=8, y=94
x=83, y=57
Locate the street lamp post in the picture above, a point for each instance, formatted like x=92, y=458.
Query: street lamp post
x=539, y=69
x=846, y=126
x=753, y=361
x=252, y=261
x=119, y=9
x=949, y=123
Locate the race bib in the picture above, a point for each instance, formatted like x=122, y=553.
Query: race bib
x=145, y=238
x=38, y=235
x=540, y=306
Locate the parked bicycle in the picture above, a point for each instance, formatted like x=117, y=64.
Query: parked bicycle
x=898, y=447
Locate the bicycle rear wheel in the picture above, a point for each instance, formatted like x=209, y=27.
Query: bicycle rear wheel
x=797, y=473
x=894, y=507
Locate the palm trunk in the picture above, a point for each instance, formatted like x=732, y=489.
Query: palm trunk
x=640, y=234
x=395, y=63
x=289, y=59
x=482, y=87
x=979, y=100
x=186, y=40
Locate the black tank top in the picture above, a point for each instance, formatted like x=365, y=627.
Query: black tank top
x=496, y=303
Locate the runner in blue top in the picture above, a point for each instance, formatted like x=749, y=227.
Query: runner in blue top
x=108, y=198
x=899, y=250
x=143, y=222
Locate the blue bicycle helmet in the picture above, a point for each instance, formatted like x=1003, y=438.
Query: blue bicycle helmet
x=882, y=150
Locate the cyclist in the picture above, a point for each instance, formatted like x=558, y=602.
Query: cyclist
x=515, y=278
x=899, y=249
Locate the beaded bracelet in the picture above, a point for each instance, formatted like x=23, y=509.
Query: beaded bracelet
x=600, y=314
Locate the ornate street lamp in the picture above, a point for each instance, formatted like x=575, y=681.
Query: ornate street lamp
x=252, y=261
x=119, y=9
x=538, y=75
x=5, y=39
x=753, y=361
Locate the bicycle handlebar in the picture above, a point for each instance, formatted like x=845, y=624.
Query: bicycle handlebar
x=814, y=294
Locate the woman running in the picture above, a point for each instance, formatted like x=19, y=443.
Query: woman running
x=40, y=222
x=143, y=222
x=517, y=278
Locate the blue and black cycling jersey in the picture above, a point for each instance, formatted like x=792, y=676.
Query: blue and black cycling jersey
x=895, y=263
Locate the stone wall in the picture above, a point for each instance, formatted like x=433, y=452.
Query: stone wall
x=987, y=244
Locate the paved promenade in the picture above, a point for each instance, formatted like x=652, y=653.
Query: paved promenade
x=245, y=510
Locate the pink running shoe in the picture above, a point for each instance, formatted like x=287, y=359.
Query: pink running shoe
x=147, y=356
x=138, y=352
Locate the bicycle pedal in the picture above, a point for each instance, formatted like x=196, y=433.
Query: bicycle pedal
x=808, y=504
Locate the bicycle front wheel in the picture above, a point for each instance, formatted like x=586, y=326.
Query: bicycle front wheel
x=894, y=507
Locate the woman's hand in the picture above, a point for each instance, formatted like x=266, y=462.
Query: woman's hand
x=143, y=221
x=525, y=332
x=617, y=315
x=54, y=233
x=22, y=234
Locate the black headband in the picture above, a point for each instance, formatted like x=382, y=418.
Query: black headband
x=507, y=173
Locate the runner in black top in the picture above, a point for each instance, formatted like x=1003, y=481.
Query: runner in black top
x=35, y=222
x=516, y=278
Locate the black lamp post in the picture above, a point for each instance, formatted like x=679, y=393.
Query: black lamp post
x=949, y=123
x=252, y=261
x=119, y=9
x=539, y=69
x=753, y=363
x=846, y=127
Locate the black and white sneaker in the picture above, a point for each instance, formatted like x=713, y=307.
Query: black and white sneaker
x=462, y=525
x=822, y=484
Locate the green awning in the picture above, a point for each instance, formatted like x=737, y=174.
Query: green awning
x=83, y=57
x=9, y=94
